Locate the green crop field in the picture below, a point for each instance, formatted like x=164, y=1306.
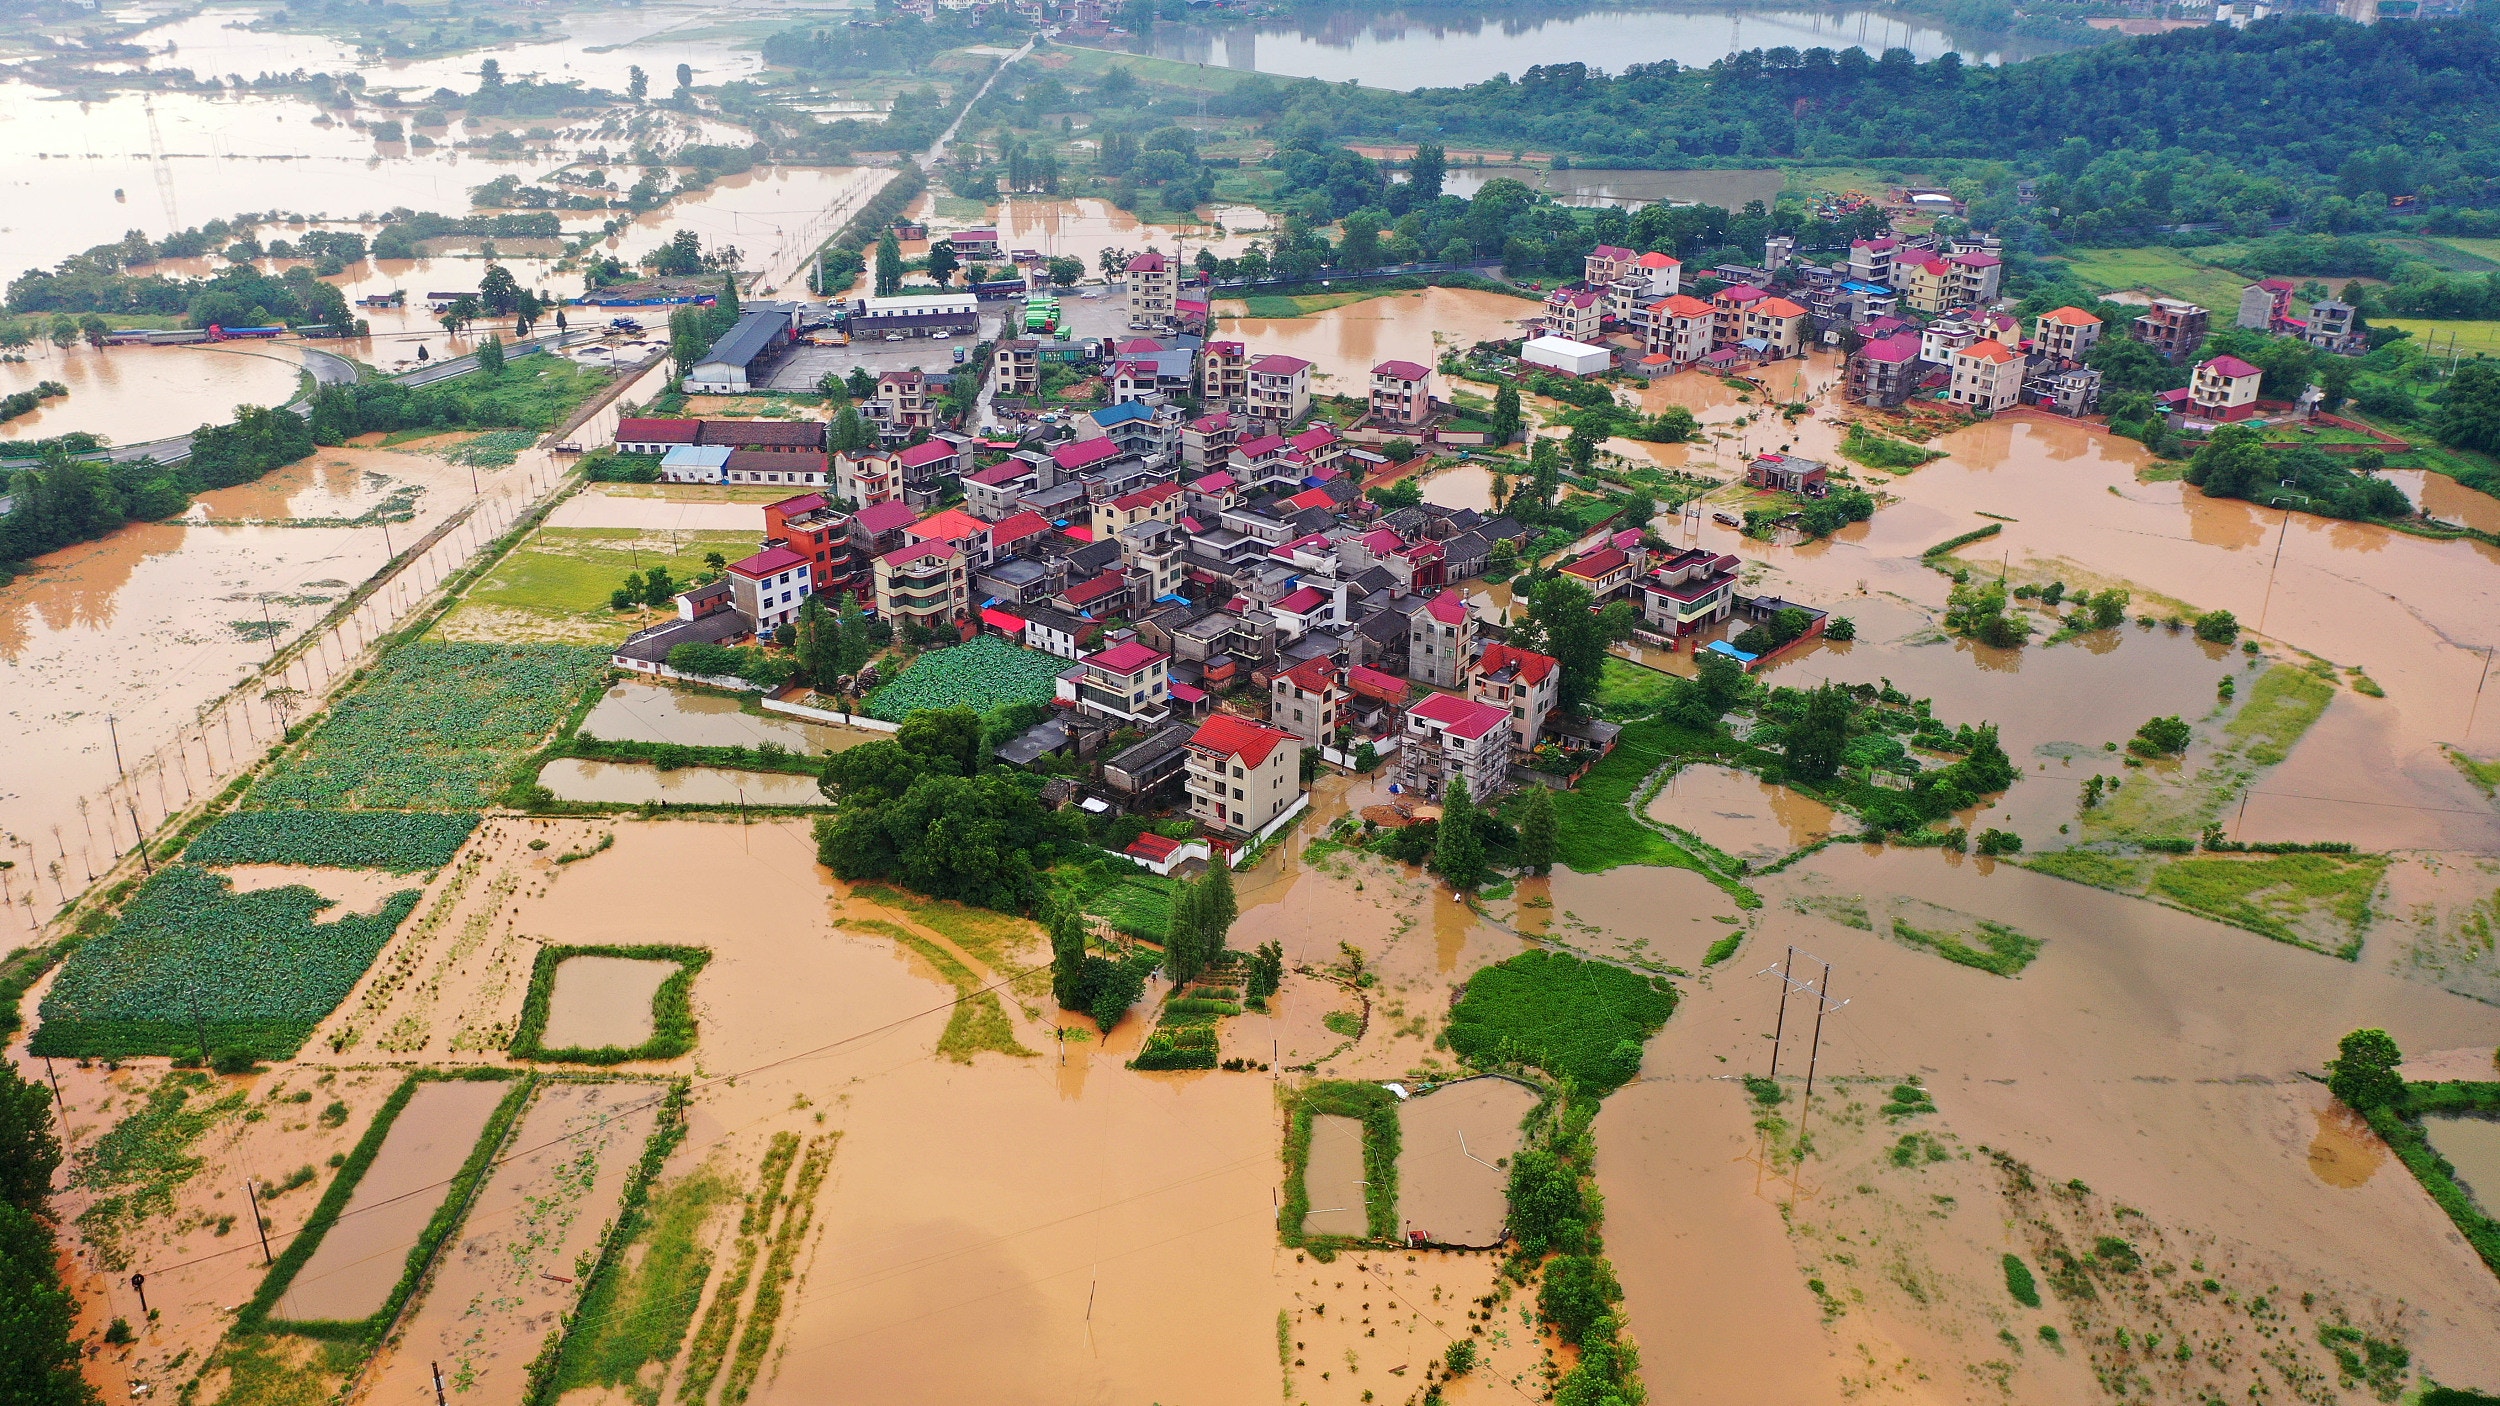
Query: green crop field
x=435, y=727
x=985, y=674
x=1583, y=1019
x=2472, y=338
x=399, y=841
x=2320, y=901
x=191, y=958
x=561, y=578
x=2169, y=272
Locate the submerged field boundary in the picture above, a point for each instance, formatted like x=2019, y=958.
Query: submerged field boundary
x=672, y=1013
x=1377, y=1110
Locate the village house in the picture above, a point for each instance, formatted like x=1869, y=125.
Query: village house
x=1441, y=640
x=928, y=584
x=1648, y=279
x=2065, y=335
x=635, y=435
x=2224, y=388
x=774, y=436
x=1728, y=311
x=992, y=492
x=1127, y=683
x=805, y=469
x=1974, y=278
x=1160, y=503
x=1521, y=682
x=1449, y=738
x=1016, y=367
x=1606, y=572
x=1943, y=336
x=1604, y=264
x=2330, y=327
x=901, y=405
x=1683, y=329
x=1153, y=288
x=2171, y=327
x=694, y=463
x=867, y=478
x=1925, y=280
x=1279, y=391
x=1786, y=473
x=1208, y=441
x=1987, y=377
x=1401, y=395
x=827, y=538
x=1224, y=375
x=770, y=586
x=1241, y=775
x=1576, y=314
x=2265, y=305
x=1690, y=590
x=1870, y=260
x=1304, y=700
x=969, y=534
x=1775, y=328
x=1884, y=372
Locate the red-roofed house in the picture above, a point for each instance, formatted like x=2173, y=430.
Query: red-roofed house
x=1440, y=640
x=1076, y=454
x=923, y=583
x=1278, y=391
x=1107, y=592
x=1450, y=738
x=1257, y=459
x=1687, y=591
x=923, y=464
x=1304, y=700
x=1153, y=286
x=636, y=435
x=1925, y=281
x=1127, y=683
x=1522, y=682
x=1207, y=440
x=1641, y=283
x=2224, y=388
x=1682, y=328
x=1605, y=263
x=1987, y=377
x=1886, y=370
x=1160, y=503
x=1728, y=309
x=1605, y=572
x=1017, y=531
x=1575, y=313
x=1779, y=324
x=1224, y=375
x=769, y=587
x=1318, y=447
x=959, y=527
x=1163, y=854
x=992, y=492
x=1365, y=682
x=1242, y=775
x=1975, y=278
x=827, y=537
x=1401, y=394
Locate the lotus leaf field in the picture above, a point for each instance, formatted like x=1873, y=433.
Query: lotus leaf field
x=191, y=960
x=435, y=727
x=985, y=674
x=399, y=841
x=1586, y=1020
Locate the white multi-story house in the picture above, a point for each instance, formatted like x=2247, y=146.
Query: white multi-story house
x=1153, y=287
x=1682, y=328
x=1449, y=738
x=769, y=587
x=1521, y=682
x=1304, y=700
x=1278, y=391
x=1241, y=775
x=1987, y=377
x=1440, y=640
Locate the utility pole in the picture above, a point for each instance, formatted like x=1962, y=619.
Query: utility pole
x=115, y=733
x=439, y=1398
x=139, y=1285
x=1779, y=1026
x=1821, y=1008
x=271, y=625
x=1820, y=989
x=257, y=1223
x=140, y=831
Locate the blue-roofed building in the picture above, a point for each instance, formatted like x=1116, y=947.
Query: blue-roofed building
x=696, y=463
x=1147, y=431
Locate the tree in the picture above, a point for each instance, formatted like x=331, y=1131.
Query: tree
x=94, y=329
x=1819, y=737
x=1065, y=271
x=1218, y=908
x=497, y=290
x=942, y=261
x=2109, y=608
x=2364, y=1073
x=1540, y=835
x=2234, y=463
x=819, y=643
x=2469, y=414
x=889, y=265
x=862, y=381
x=1561, y=622
x=1458, y=848
x=490, y=356
x=685, y=75
x=854, y=645
x=637, y=83
x=948, y=734
x=38, y=1356
x=2217, y=627
x=1506, y=415
x=1067, y=957
x=849, y=433
x=1425, y=171
x=29, y=1152
x=1182, y=953
x=489, y=75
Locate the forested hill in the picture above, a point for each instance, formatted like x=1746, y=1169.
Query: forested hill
x=2308, y=90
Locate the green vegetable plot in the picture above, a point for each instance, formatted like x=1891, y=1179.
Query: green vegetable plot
x=435, y=727
x=982, y=675
x=192, y=958
x=401, y=842
x=1587, y=1020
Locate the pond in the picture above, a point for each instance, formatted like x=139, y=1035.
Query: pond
x=634, y=711
x=603, y=1001
x=1740, y=813
x=2472, y=1146
x=1454, y=1145
x=633, y=783
x=1333, y=1177
x=1394, y=49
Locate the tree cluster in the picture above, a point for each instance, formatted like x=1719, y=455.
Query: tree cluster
x=921, y=810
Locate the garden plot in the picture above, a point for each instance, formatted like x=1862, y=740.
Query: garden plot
x=1453, y=1145
x=555, y=587
x=987, y=673
x=514, y=1267
x=363, y=1253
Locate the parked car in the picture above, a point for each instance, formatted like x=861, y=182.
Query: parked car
x=624, y=324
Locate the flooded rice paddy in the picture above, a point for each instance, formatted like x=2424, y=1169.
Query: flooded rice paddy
x=632, y=783
x=1454, y=1146
x=602, y=1001
x=351, y=1274
x=1334, y=1178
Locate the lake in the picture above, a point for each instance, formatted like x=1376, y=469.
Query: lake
x=1398, y=50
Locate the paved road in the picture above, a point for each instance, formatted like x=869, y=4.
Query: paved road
x=937, y=150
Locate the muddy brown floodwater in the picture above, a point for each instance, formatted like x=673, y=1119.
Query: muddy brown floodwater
x=2472, y=1146
x=1740, y=813
x=1334, y=1178
x=1453, y=1147
x=131, y=395
x=637, y=711
x=1343, y=344
x=363, y=1253
x=600, y=1001
x=631, y=783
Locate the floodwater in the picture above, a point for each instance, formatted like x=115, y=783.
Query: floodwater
x=1082, y=229
x=635, y=711
x=361, y=1257
x=1453, y=1148
x=632, y=783
x=515, y=1260
x=1334, y=1178
x=1462, y=486
x=1589, y=186
x=2472, y=1146
x=592, y=508
x=1402, y=51
x=601, y=1001
x=2347, y=1151
x=2127, y=1056
x=131, y=395
x=1740, y=813
x=354, y=890
x=2439, y=496
x=1343, y=344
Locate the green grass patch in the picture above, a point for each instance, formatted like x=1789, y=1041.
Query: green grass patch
x=190, y=959
x=2483, y=774
x=1583, y=1020
x=2102, y=871
x=2018, y=1282
x=399, y=841
x=988, y=673
x=672, y=1011
x=1133, y=900
x=1723, y=949
x=2172, y=272
x=1377, y=1110
x=638, y=1315
x=1629, y=690
x=434, y=727
x=2000, y=949
x=570, y=572
x=132, y=1171
x=2282, y=705
x=1598, y=831
x=2474, y=338
x=1878, y=451
x=2402, y=1128
x=989, y=936
x=2318, y=901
